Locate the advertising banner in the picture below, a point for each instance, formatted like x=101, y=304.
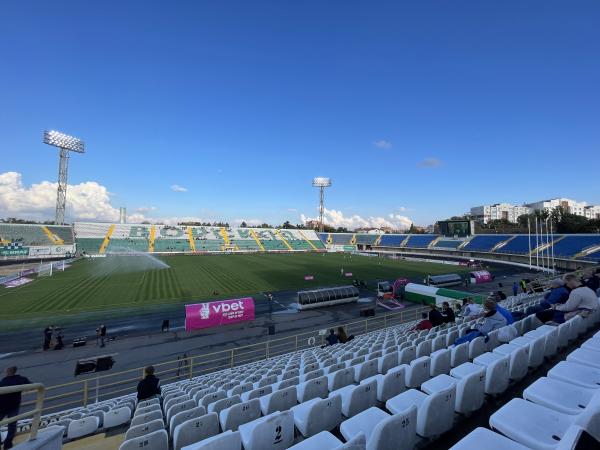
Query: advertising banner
x=481, y=276
x=51, y=250
x=214, y=314
x=308, y=277
x=14, y=251
x=17, y=282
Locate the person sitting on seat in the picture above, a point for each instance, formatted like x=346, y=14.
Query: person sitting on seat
x=332, y=339
x=559, y=293
x=424, y=324
x=493, y=320
x=582, y=300
x=447, y=313
x=149, y=386
x=342, y=336
x=471, y=310
x=435, y=317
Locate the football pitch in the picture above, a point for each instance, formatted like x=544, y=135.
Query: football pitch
x=115, y=282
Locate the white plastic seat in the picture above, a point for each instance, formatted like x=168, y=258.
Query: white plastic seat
x=538, y=427
x=212, y=397
x=256, y=393
x=232, y=417
x=194, y=430
x=406, y=355
x=518, y=359
x=451, y=337
x=390, y=384
x=311, y=375
x=240, y=389
x=150, y=402
x=559, y=395
x=312, y=389
x=183, y=416
x=146, y=410
x=435, y=412
x=272, y=432
x=157, y=440
x=438, y=343
x=116, y=417
x=459, y=354
x=496, y=372
x=265, y=381
x=386, y=362
x=440, y=362
x=357, y=398
x=222, y=404
x=585, y=357
x=281, y=400
x=550, y=336
x=365, y=370
x=493, y=340
x=470, y=387
x=327, y=441
x=228, y=440
x=592, y=344
x=317, y=415
x=305, y=368
x=334, y=368
x=576, y=374
x=198, y=394
x=145, y=418
x=418, y=372
x=285, y=383
x=82, y=427
x=382, y=430
x=536, y=349
x=477, y=347
x=339, y=379
x=484, y=438
x=423, y=349
x=179, y=407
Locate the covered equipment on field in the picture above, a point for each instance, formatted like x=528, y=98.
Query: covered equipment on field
x=431, y=295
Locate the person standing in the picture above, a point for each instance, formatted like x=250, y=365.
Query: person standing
x=515, y=289
x=101, y=333
x=10, y=403
x=149, y=386
x=47, y=337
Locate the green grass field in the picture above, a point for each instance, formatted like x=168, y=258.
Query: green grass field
x=119, y=282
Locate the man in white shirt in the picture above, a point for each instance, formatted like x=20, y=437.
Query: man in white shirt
x=582, y=300
x=471, y=310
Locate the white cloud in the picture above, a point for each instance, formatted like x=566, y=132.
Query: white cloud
x=430, y=163
x=382, y=143
x=177, y=188
x=85, y=201
x=145, y=209
x=337, y=219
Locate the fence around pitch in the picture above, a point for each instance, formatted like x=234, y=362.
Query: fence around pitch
x=94, y=389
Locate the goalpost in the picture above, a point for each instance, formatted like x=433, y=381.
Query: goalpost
x=47, y=269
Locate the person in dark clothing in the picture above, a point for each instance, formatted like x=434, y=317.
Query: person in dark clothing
x=515, y=289
x=332, y=338
x=500, y=296
x=47, y=337
x=149, y=386
x=165, y=325
x=59, y=340
x=101, y=332
x=435, y=317
x=10, y=403
x=342, y=336
x=447, y=313
x=559, y=293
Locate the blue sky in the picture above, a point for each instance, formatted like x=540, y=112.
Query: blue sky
x=415, y=109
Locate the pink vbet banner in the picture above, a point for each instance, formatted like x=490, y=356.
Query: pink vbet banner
x=481, y=276
x=222, y=312
x=308, y=277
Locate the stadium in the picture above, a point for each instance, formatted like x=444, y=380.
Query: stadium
x=249, y=302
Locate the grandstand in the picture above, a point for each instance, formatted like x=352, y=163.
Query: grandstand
x=35, y=235
x=389, y=388
x=99, y=238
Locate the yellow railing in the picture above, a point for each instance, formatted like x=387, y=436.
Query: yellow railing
x=102, y=387
x=36, y=412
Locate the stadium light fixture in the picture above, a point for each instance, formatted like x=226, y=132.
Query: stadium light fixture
x=65, y=144
x=321, y=183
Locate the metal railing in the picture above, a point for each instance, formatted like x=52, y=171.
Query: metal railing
x=35, y=413
x=98, y=388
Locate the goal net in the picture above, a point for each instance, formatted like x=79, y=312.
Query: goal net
x=44, y=270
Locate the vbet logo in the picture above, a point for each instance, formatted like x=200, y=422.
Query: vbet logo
x=222, y=312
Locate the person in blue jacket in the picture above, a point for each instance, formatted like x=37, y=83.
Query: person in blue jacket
x=506, y=314
x=558, y=294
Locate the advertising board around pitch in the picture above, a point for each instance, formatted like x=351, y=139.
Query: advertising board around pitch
x=217, y=313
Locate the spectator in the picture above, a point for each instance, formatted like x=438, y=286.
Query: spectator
x=149, y=386
x=424, y=324
x=471, y=310
x=10, y=403
x=101, y=333
x=435, y=317
x=341, y=335
x=506, y=314
x=500, y=295
x=593, y=282
x=559, y=293
x=332, y=339
x=447, y=313
x=523, y=284
x=582, y=300
x=47, y=337
x=165, y=325
x=515, y=289
x=458, y=310
x=493, y=320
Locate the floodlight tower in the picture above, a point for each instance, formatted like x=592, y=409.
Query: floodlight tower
x=66, y=144
x=321, y=183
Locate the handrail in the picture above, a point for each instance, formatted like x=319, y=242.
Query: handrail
x=84, y=392
x=36, y=412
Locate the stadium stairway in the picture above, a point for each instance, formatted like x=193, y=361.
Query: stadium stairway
x=392, y=385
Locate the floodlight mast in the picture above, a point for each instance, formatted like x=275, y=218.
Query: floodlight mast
x=321, y=183
x=65, y=144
